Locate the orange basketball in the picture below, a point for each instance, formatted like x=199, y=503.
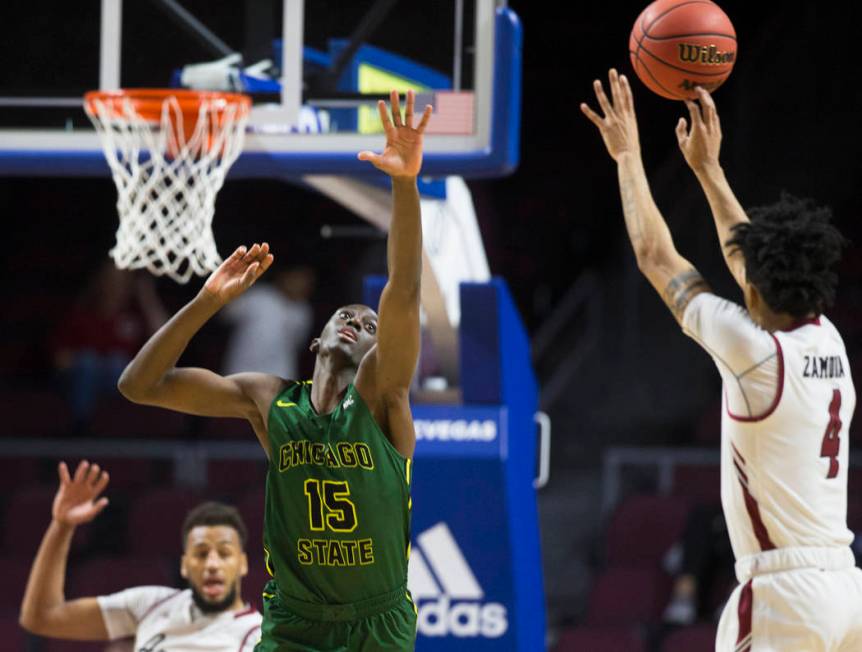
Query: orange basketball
x=677, y=45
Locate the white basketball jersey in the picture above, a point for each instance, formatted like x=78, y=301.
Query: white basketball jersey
x=783, y=465
x=162, y=619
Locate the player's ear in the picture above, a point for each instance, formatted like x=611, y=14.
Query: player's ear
x=184, y=572
x=753, y=300
x=243, y=565
x=315, y=345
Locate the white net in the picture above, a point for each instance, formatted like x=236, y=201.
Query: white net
x=167, y=176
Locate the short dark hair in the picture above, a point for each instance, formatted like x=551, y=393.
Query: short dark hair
x=213, y=513
x=790, y=250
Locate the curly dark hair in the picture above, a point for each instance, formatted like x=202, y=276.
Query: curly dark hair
x=213, y=513
x=790, y=250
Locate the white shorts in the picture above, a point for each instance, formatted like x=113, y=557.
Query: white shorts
x=794, y=600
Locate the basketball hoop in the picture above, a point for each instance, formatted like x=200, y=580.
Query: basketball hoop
x=169, y=151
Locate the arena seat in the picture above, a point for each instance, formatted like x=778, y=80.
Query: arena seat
x=599, y=639
x=105, y=575
x=28, y=514
x=121, y=418
x=236, y=475
x=625, y=597
x=643, y=528
x=155, y=521
x=697, y=638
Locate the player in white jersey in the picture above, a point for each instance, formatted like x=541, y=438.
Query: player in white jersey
x=788, y=395
x=209, y=616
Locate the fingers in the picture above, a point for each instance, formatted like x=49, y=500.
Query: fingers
x=99, y=505
x=250, y=275
x=628, y=100
x=252, y=254
x=710, y=113
x=238, y=253
x=602, y=98
x=592, y=115
x=81, y=471
x=102, y=482
x=616, y=91
x=63, y=472
x=258, y=266
x=396, y=108
x=265, y=263
x=694, y=112
x=384, y=117
x=366, y=155
x=408, y=112
x=681, y=131
x=93, y=475
x=426, y=116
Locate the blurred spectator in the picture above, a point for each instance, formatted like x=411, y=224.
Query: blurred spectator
x=272, y=324
x=700, y=563
x=97, y=338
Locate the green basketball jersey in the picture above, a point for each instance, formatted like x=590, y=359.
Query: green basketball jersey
x=337, y=518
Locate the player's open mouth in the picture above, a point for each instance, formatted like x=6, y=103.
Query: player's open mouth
x=348, y=334
x=213, y=588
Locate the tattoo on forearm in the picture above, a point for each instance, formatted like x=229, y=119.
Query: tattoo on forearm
x=682, y=289
x=630, y=211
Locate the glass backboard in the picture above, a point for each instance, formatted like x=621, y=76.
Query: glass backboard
x=313, y=69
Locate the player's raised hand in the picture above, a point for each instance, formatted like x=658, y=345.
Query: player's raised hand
x=701, y=144
x=402, y=154
x=618, y=126
x=238, y=272
x=77, y=500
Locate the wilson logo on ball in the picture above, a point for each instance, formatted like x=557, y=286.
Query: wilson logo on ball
x=709, y=55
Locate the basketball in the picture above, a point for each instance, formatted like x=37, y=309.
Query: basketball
x=677, y=45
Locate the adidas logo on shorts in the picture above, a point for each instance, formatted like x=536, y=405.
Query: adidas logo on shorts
x=447, y=594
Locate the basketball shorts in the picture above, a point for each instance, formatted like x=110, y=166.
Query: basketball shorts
x=794, y=600
x=386, y=623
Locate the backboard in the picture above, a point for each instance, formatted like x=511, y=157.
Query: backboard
x=329, y=62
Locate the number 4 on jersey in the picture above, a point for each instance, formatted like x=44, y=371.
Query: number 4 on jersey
x=831, y=442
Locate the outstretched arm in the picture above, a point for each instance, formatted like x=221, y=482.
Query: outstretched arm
x=386, y=376
x=700, y=146
x=44, y=608
x=152, y=377
x=673, y=277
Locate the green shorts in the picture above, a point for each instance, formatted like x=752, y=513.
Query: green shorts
x=385, y=623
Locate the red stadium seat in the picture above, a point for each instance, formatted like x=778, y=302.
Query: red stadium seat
x=121, y=418
x=228, y=429
x=854, y=513
x=127, y=473
x=14, y=572
x=698, y=638
x=599, y=639
x=156, y=519
x=105, y=575
x=251, y=508
x=697, y=483
x=253, y=583
x=643, y=528
x=28, y=515
x=11, y=634
x=34, y=414
x=236, y=475
x=624, y=597
x=57, y=645
x=708, y=429
x=18, y=472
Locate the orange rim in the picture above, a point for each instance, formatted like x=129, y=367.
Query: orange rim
x=148, y=102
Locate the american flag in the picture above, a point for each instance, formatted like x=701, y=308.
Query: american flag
x=454, y=112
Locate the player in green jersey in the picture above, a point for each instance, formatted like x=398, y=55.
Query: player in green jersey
x=337, y=527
